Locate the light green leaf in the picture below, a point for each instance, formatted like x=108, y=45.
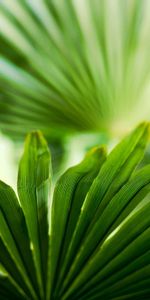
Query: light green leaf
x=66, y=202
x=34, y=181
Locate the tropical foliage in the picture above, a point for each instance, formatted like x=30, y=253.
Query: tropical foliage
x=73, y=65
x=91, y=239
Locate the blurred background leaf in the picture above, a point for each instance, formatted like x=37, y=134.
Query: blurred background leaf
x=71, y=68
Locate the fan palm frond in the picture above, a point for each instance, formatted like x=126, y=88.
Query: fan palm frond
x=91, y=241
x=73, y=65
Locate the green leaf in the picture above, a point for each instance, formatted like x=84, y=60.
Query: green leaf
x=114, y=173
x=13, y=223
x=57, y=66
x=100, y=228
x=117, y=241
x=91, y=240
x=66, y=203
x=121, y=266
x=34, y=180
x=8, y=287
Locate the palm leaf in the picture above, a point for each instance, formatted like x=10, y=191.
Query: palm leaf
x=33, y=195
x=89, y=239
x=73, y=66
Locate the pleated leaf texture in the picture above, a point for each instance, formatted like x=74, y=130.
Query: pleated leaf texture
x=73, y=65
x=91, y=238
